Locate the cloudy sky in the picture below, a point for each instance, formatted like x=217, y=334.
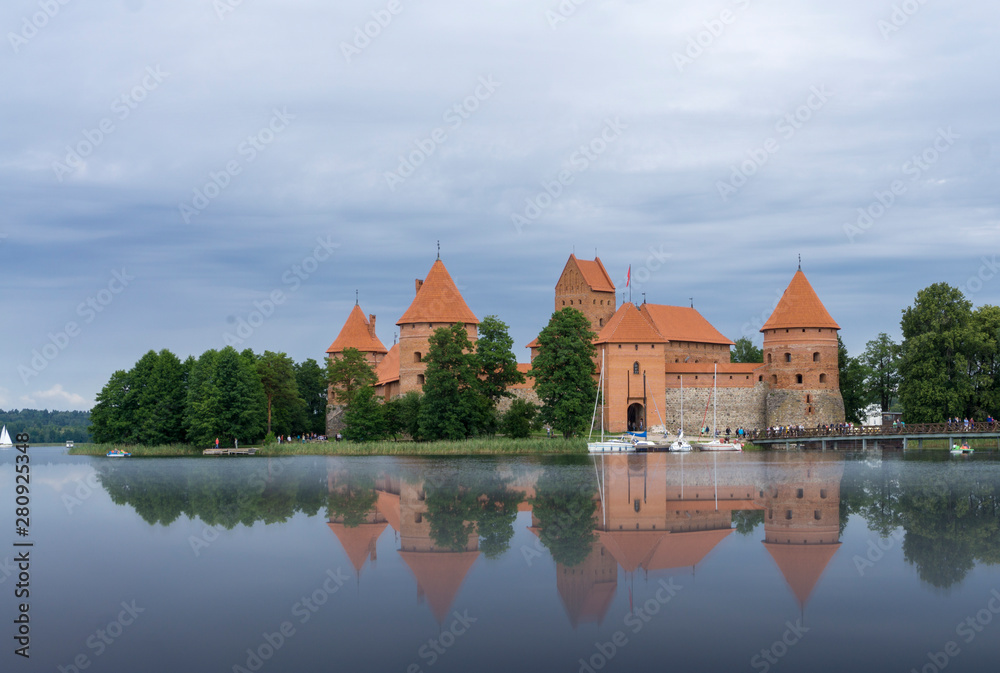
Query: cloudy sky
x=169, y=170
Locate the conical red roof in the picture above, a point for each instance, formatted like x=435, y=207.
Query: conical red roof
x=438, y=300
x=799, y=307
x=802, y=565
x=628, y=325
x=359, y=541
x=632, y=548
x=685, y=549
x=356, y=333
x=439, y=576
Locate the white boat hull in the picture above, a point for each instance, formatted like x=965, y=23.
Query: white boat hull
x=679, y=447
x=611, y=446
x=720, y=446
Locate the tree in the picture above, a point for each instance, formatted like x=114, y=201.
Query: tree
x=349, y=373
x=452, y=406
x=495, y=359
x=881, y=361
x=113, y=415
x=225, y=398
x=312, y=385
x=402, y=415
x=277, y=377
x=564, y=371
x=364, y=418
x=745, y=351
x=852, y=384
x=985, y=362
x=516, y=422
x=935, y=356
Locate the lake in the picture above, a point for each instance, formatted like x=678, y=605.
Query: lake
x=698, y=562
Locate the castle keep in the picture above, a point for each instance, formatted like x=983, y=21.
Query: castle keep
x=660, y=361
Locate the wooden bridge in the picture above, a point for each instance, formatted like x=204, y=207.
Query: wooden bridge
x=876, y=435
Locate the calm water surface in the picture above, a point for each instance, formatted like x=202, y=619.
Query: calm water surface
x=756, y=562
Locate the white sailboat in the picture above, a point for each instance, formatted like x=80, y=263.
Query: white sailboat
x=619, y=445
x=715, y=444
x=679, y=445
x=5, y=442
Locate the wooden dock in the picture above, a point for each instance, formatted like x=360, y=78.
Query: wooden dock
x=229, y=452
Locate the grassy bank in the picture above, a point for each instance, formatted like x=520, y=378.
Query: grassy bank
x=471, y=447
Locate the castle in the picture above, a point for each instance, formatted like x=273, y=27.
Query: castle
x=659, y=361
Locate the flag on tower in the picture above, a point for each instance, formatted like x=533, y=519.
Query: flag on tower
x=628, y=276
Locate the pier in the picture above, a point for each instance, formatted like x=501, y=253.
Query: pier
x=877, y=436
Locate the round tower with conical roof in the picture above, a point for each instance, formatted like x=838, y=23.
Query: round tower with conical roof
x=800, y=360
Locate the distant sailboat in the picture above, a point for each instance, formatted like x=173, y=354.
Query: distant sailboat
x=5, y=442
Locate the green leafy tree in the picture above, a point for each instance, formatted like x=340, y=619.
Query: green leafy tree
x=516, y=422
x=452, y=406
x=497, y=364
x=113, y=416
x=745, y=351
x=349, y=373
x=352, y=500
x=564, y=506
x=936, y=354
x=881, y=361
x=985, y=369
x=852, y=384
x=564, y=372
x=311, y=382
x=277, y=377
x=403, y=415
x=364, y=418
x=225, y=398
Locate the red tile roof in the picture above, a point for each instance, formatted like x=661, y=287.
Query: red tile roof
x=681, y=323
x=438, y=300
x=356, y=334
x=359, y=541
x=799, y=307
x=628, y=325
x=802, y=565
x=594, y=274
x=387, y=370
x=439, y=576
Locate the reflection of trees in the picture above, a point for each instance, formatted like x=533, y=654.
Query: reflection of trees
x=353, y=500
x=746, y=521
x=564, y=506
x=220, y=493
x=948, y=513
x=459, y=505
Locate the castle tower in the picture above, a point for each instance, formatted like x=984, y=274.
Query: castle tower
x=633, y=354
x=358, y=332
x=800, y=360
x=586, y=286
x=437, y=303
x=802, y=518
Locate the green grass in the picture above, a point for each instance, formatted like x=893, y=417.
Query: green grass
x=471, y=447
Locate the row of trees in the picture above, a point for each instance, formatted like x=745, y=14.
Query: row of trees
x=47, y=427
x=222, y=394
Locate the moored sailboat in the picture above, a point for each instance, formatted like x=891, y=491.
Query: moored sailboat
x=5, y=442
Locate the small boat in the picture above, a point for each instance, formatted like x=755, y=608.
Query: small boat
x=956, y=450
x=622, y=444
x=5, y=442
x=69, y=443
x=717, y=445
x=118, y=453
x=680, y=444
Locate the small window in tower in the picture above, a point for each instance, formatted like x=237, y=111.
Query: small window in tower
x=822, y=378
x=803, y=329
x=774, y=379
x=815, y=357
x=808, y=399
x=637, y=346
x=677, y=359
x=619, y=346
x=817, y=515
x=595, y=301
x=798, y=378
x=417, y=356
x=635, y=367
x=768, y=358
x=564, y=302
x=420, y=379
x=788, y=514
x=760, y=379
x=601, y=320
x=809, y=410
x=799, y=493
x=822, y=493
x=788, y=357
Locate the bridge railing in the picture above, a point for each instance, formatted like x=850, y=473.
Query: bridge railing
x=863, y=431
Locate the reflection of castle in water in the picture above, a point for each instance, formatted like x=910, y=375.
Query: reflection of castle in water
x=653, y=513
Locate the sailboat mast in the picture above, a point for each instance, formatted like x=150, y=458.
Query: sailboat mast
x=715, y=398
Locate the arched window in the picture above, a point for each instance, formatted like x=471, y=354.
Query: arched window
x=417, y=356
x=822, y=378
x=815, y=357
x=635, y=367
x=420, y=379
x=788, y=357
x=768, y=358
x=760, y=378
x=798, y=378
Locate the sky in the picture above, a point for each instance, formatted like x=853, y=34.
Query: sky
x=189, y=174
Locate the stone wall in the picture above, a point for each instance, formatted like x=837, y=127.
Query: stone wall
x=334, y=419
x=804, y=407
x=740, y=407
x=526, y=394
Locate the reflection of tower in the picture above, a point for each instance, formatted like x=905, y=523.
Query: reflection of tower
x=587, y=589
x=439, y=572
x=802, y=518
x=358, y=538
